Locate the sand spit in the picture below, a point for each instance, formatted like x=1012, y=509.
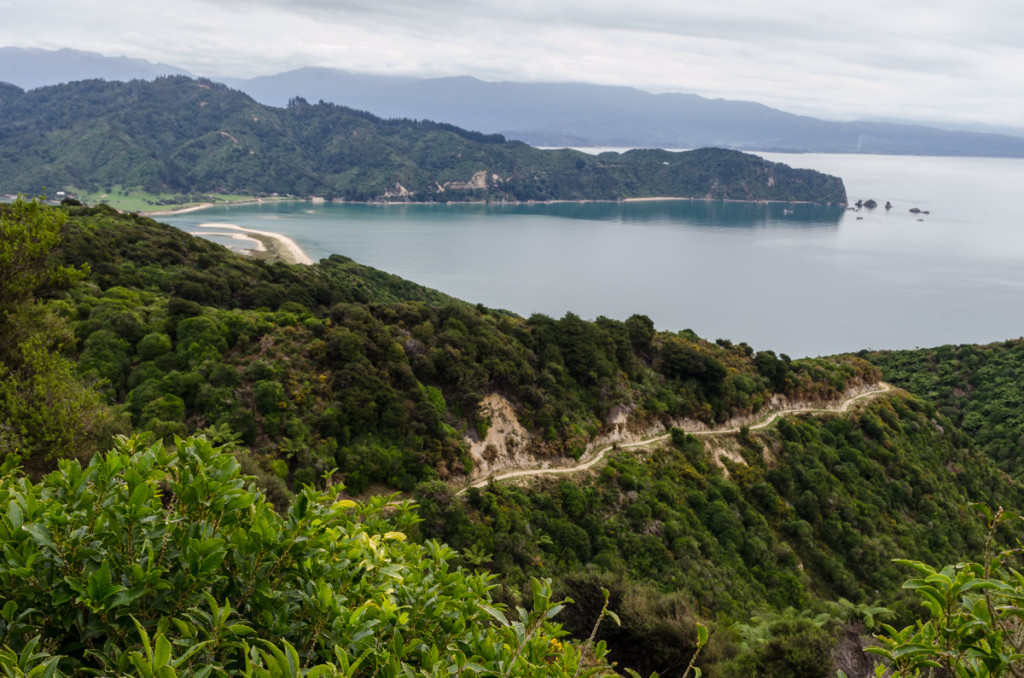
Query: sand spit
x=207, y=205
x=257, y=244
x=179, y=210
x=277, y=246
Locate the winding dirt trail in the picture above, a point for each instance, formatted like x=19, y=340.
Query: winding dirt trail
x=589, y=460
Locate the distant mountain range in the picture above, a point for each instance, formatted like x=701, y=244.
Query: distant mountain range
x=181, y=135
x=29, y=68
x=547, y=114
x=574, y=114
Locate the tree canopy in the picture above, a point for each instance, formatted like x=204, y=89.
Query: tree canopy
x=46, y=411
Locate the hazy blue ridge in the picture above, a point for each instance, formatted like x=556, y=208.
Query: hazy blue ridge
x=30, y=68
x=549, y=114
x=576, y=114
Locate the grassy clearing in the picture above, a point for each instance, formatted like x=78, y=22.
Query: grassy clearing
x=137, y=200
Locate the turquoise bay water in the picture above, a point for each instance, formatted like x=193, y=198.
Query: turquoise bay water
x=797, y=279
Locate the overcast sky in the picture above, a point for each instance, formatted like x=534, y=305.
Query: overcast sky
x=924, y=60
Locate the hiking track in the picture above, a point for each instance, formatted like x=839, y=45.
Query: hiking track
x=589, y=460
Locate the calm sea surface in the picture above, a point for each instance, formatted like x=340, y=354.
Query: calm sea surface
x=813, y=281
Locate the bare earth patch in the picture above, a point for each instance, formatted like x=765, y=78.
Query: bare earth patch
x=501, y=454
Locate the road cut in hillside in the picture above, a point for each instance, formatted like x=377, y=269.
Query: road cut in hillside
x=589, y=460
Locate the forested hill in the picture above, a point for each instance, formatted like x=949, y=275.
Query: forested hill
x=179, y=135
x=338, y=365
x=778, y=539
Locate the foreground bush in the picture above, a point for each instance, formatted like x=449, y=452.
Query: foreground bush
x=165, y=561
x=973, y=627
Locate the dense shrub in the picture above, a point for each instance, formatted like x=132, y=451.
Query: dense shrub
x=164, y=561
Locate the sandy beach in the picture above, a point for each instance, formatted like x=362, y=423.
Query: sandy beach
x=179, y=210
x=257, y=244
x=653, y=199
x=273, y=245
x=207, y=205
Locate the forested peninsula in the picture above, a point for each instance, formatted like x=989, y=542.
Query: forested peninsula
x=177, y=138
x=271, y=418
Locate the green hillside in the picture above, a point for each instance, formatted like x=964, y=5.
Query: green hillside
x=980, y=388
x=338, y=365
x=183, y=136
x=348, y=381
x=801, y=517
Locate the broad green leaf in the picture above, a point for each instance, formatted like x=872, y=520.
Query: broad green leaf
x=145, y=640
x=702, y=635
x=161, y=651
x=911, y=650
x=496, y=613
x=983, y=509
x=99, y=583
x=39, y=536
x=614, y=617
x=14, y=514
x=916, y=565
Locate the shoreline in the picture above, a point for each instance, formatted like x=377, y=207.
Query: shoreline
x=271, y=245
x=497, y=203
x=278, y=247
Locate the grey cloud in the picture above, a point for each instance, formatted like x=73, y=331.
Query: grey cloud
x=844, y=60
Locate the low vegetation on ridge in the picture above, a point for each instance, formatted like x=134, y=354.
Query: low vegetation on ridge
x=980, y=388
